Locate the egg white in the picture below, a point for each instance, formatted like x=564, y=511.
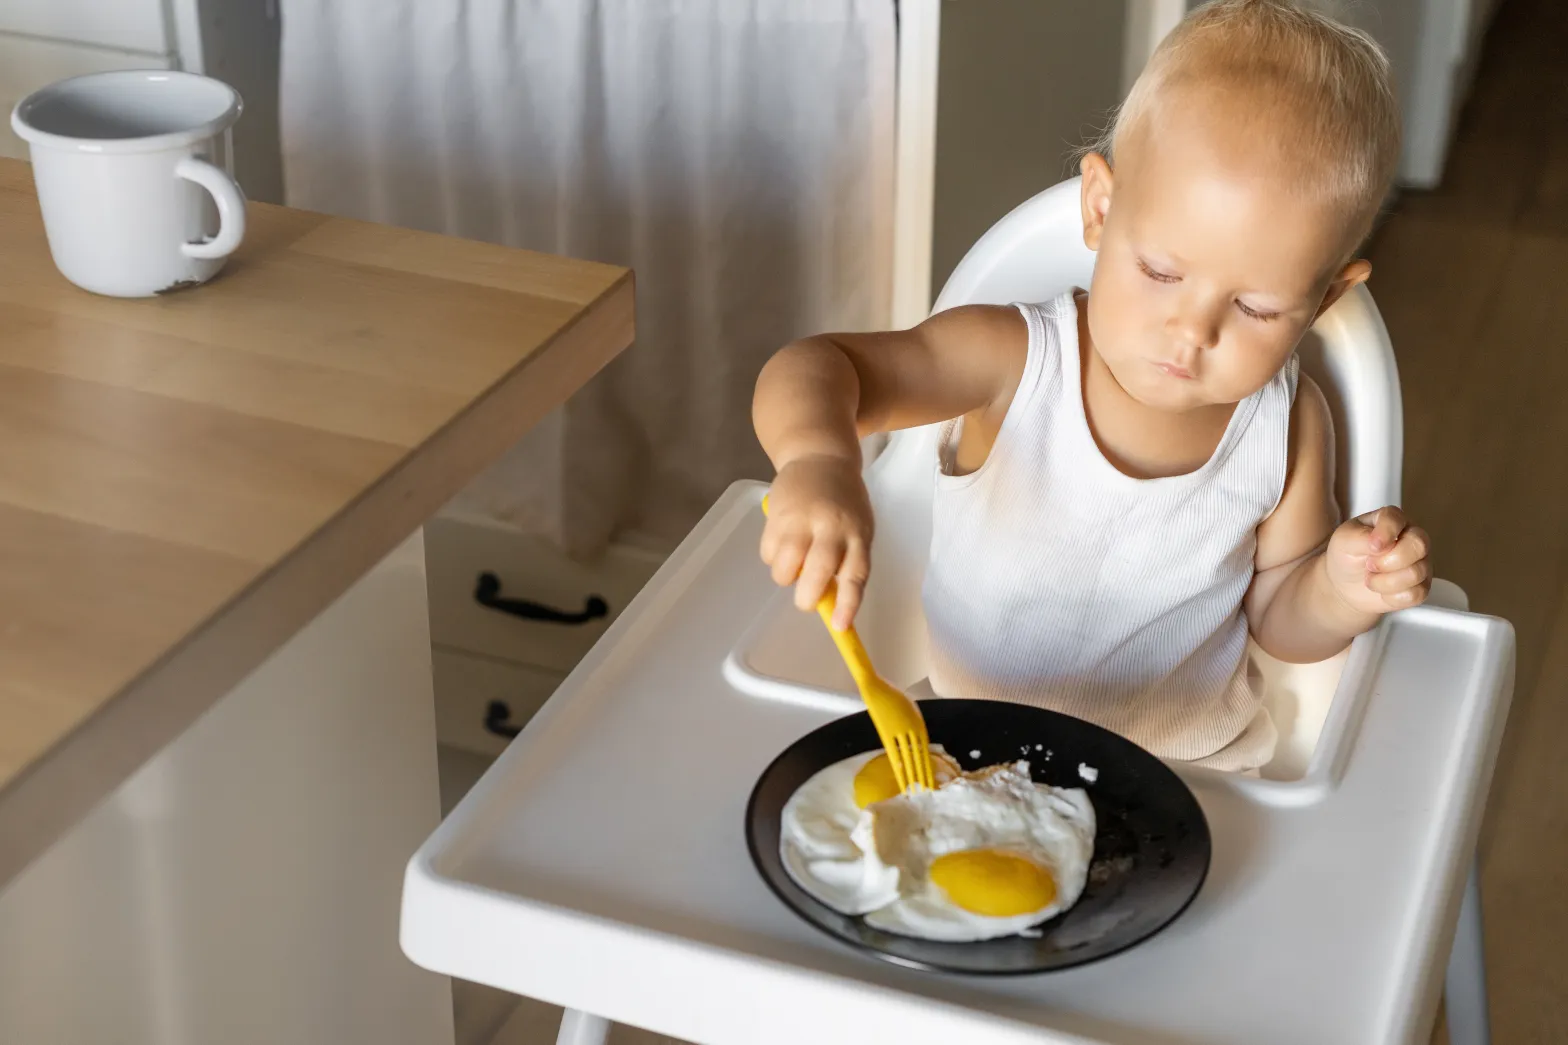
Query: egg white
x=874, y=862
x=823, y=843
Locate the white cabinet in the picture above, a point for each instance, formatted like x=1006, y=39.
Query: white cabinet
x=493, y=666
x=236, y=41
x=530, y=571
x=482, y=701
x=126, y=25
x=243, y=886
x=42, y=41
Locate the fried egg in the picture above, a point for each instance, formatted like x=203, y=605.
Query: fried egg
x=823, y=835
x=986, y=854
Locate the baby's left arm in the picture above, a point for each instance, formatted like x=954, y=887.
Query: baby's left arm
x=1318, y=585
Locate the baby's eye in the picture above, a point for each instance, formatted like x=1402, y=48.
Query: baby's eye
x=1158, y=277
x=1255, y=314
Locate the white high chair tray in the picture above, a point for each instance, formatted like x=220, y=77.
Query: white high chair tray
x=601, y=863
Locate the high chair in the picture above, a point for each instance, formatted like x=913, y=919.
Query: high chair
x=601, y=863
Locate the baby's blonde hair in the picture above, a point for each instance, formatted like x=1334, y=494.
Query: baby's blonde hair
x=1322, y=83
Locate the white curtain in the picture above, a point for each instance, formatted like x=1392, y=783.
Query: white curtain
x=738, y=154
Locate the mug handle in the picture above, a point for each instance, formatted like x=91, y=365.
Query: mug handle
x=231, y=208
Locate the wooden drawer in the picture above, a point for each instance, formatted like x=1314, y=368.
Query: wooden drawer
x=129, y=25
x=458, y=552
x=26, y=65
x=480, y=700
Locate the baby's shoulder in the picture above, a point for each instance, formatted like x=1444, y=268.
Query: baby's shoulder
x=980, y=339
x=1310, y=444
x=1311, y=420
x=999, y=324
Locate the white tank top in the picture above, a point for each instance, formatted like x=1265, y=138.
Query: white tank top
x=1057, y=580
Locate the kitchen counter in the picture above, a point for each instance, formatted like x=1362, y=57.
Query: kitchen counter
x=187, y=481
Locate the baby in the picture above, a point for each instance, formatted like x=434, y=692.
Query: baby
x=1133, y=477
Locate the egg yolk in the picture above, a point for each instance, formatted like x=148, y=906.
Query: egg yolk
x=875, y=782
x=993, y=882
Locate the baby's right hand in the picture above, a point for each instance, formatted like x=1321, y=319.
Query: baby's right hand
x=819, y=530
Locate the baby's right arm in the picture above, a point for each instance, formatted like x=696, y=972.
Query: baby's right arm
x=818, y=396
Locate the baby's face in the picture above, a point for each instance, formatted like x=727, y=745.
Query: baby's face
x=1209, y=267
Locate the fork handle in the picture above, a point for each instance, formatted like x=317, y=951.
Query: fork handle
x=847, y=641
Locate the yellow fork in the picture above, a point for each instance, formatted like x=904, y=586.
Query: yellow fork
x=897, y=719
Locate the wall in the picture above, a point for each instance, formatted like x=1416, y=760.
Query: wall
x=1021, y=84
x=1397, y=25
x=1431, y=45
x=1478, y=21
x=237, y=41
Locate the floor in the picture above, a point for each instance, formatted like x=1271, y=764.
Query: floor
x=1470, y=279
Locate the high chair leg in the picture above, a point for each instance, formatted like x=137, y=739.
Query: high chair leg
x=581, y=1028
x=1464, y=992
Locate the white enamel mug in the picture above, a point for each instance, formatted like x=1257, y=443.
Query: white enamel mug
x=132, y=177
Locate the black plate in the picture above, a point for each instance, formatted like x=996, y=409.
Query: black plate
x=1151, y=848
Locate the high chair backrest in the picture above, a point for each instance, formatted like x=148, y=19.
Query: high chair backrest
x=1034, y=253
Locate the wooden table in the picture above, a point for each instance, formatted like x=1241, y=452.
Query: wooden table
x=187, y=481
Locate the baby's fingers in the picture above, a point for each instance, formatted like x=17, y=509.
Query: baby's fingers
x=1413, y=547
x=822, y=563
x=1387, y=524
x=1403, y=587
x=851, y=582
x=785, y=553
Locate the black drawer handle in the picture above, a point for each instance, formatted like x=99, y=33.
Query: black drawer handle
x=498, y=720
x=488, y=594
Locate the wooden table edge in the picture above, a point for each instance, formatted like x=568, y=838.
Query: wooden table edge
x=48, y=797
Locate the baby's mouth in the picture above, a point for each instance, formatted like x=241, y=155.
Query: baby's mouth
x=1172, y=370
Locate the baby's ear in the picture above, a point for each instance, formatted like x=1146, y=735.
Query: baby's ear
x=1095, y=197
x=1352, y=275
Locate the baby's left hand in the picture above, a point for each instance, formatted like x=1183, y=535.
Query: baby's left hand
x=1378, y=562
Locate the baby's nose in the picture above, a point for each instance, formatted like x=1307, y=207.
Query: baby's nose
x=1192, y=331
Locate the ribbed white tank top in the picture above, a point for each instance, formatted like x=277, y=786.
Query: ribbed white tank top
x=1057, y=580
